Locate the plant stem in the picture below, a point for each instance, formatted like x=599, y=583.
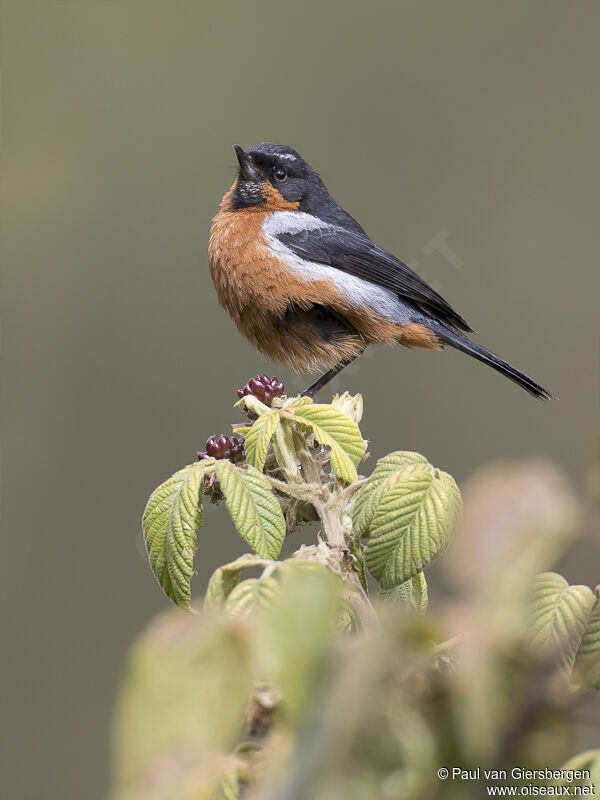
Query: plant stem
x=285, y=453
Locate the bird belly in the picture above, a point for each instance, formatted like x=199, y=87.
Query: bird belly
x=304, y=319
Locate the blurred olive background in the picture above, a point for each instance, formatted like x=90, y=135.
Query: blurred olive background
x=476, y=118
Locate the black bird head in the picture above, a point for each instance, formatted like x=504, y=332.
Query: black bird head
x=276, y=166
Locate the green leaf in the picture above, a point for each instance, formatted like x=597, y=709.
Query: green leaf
x=589, y=760
x=170, y=523
x=351, y=405
x=184, y=690
x=295, y=637
x=251, y=595
x=369, y=497
x=560, y=615
x=229, y=787
x=224, y=579
x=413, y=523
x=254, y=509
x=411, y=593
x=252, y=403
x=587, y=662
x=259, y=437
x=336, y=430
x=297, y=402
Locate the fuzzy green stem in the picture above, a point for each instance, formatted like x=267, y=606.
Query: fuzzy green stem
x=285, y=453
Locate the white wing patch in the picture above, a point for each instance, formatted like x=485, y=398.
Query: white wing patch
x=358, y=292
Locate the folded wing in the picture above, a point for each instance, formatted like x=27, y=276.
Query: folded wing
x=355, y=254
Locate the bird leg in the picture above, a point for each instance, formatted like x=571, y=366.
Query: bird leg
x=326, y=377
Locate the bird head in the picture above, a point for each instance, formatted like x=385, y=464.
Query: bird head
x=272, y=174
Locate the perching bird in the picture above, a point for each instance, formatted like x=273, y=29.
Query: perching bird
x=307, y=286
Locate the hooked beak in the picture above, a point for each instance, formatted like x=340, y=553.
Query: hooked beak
x=247, y=171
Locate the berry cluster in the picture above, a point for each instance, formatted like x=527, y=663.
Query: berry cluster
x=263, y=388
x=229, y=447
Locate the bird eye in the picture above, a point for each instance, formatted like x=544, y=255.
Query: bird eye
x=280, y=174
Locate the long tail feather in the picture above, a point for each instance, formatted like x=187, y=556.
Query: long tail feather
x=458, y=340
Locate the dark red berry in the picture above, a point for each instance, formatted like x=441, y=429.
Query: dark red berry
x=212, y=447
x=263, y=388
x=223, y=443
x=237, y=450
x=230, y=447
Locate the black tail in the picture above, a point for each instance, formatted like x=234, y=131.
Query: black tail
x=458, y=340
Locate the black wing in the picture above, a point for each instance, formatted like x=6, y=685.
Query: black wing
x=356, y=254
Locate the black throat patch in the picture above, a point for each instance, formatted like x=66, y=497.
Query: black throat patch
x=247, y=194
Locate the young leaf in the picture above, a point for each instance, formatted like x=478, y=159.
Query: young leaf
x=251, y=595
x=587, y=662
x=560, y=615
x=171, y=519
x=589, y=761
x=259, y=437
x=351, y=405
x=370, y=495
x=228, y=787
x=252, y=403
x=336, y=430
x=412, y=593
x=413, y=524
x=226, y=578
x=254, y=509
x=295, y=637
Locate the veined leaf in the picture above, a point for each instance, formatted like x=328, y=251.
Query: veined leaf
x=226, y=578
x=251, y=595
x=254, y=509
x=370, y=495
x=259, y=437
x=297, y=402
x=413, y=523
x=170, y=523
x=587, y=662
x=412, y=593
x=336, y=430
x=560, y=615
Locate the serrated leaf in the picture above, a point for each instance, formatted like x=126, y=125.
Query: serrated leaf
x=560, y=615
x=368, y=498
x=251, y=595
x=411, y=593
x=171, y=519
x=259, y=437
x=224, y=579
x=297, y=402
x=254, y=509
x=336, y=430
x=587, y=661
x=412, y=525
